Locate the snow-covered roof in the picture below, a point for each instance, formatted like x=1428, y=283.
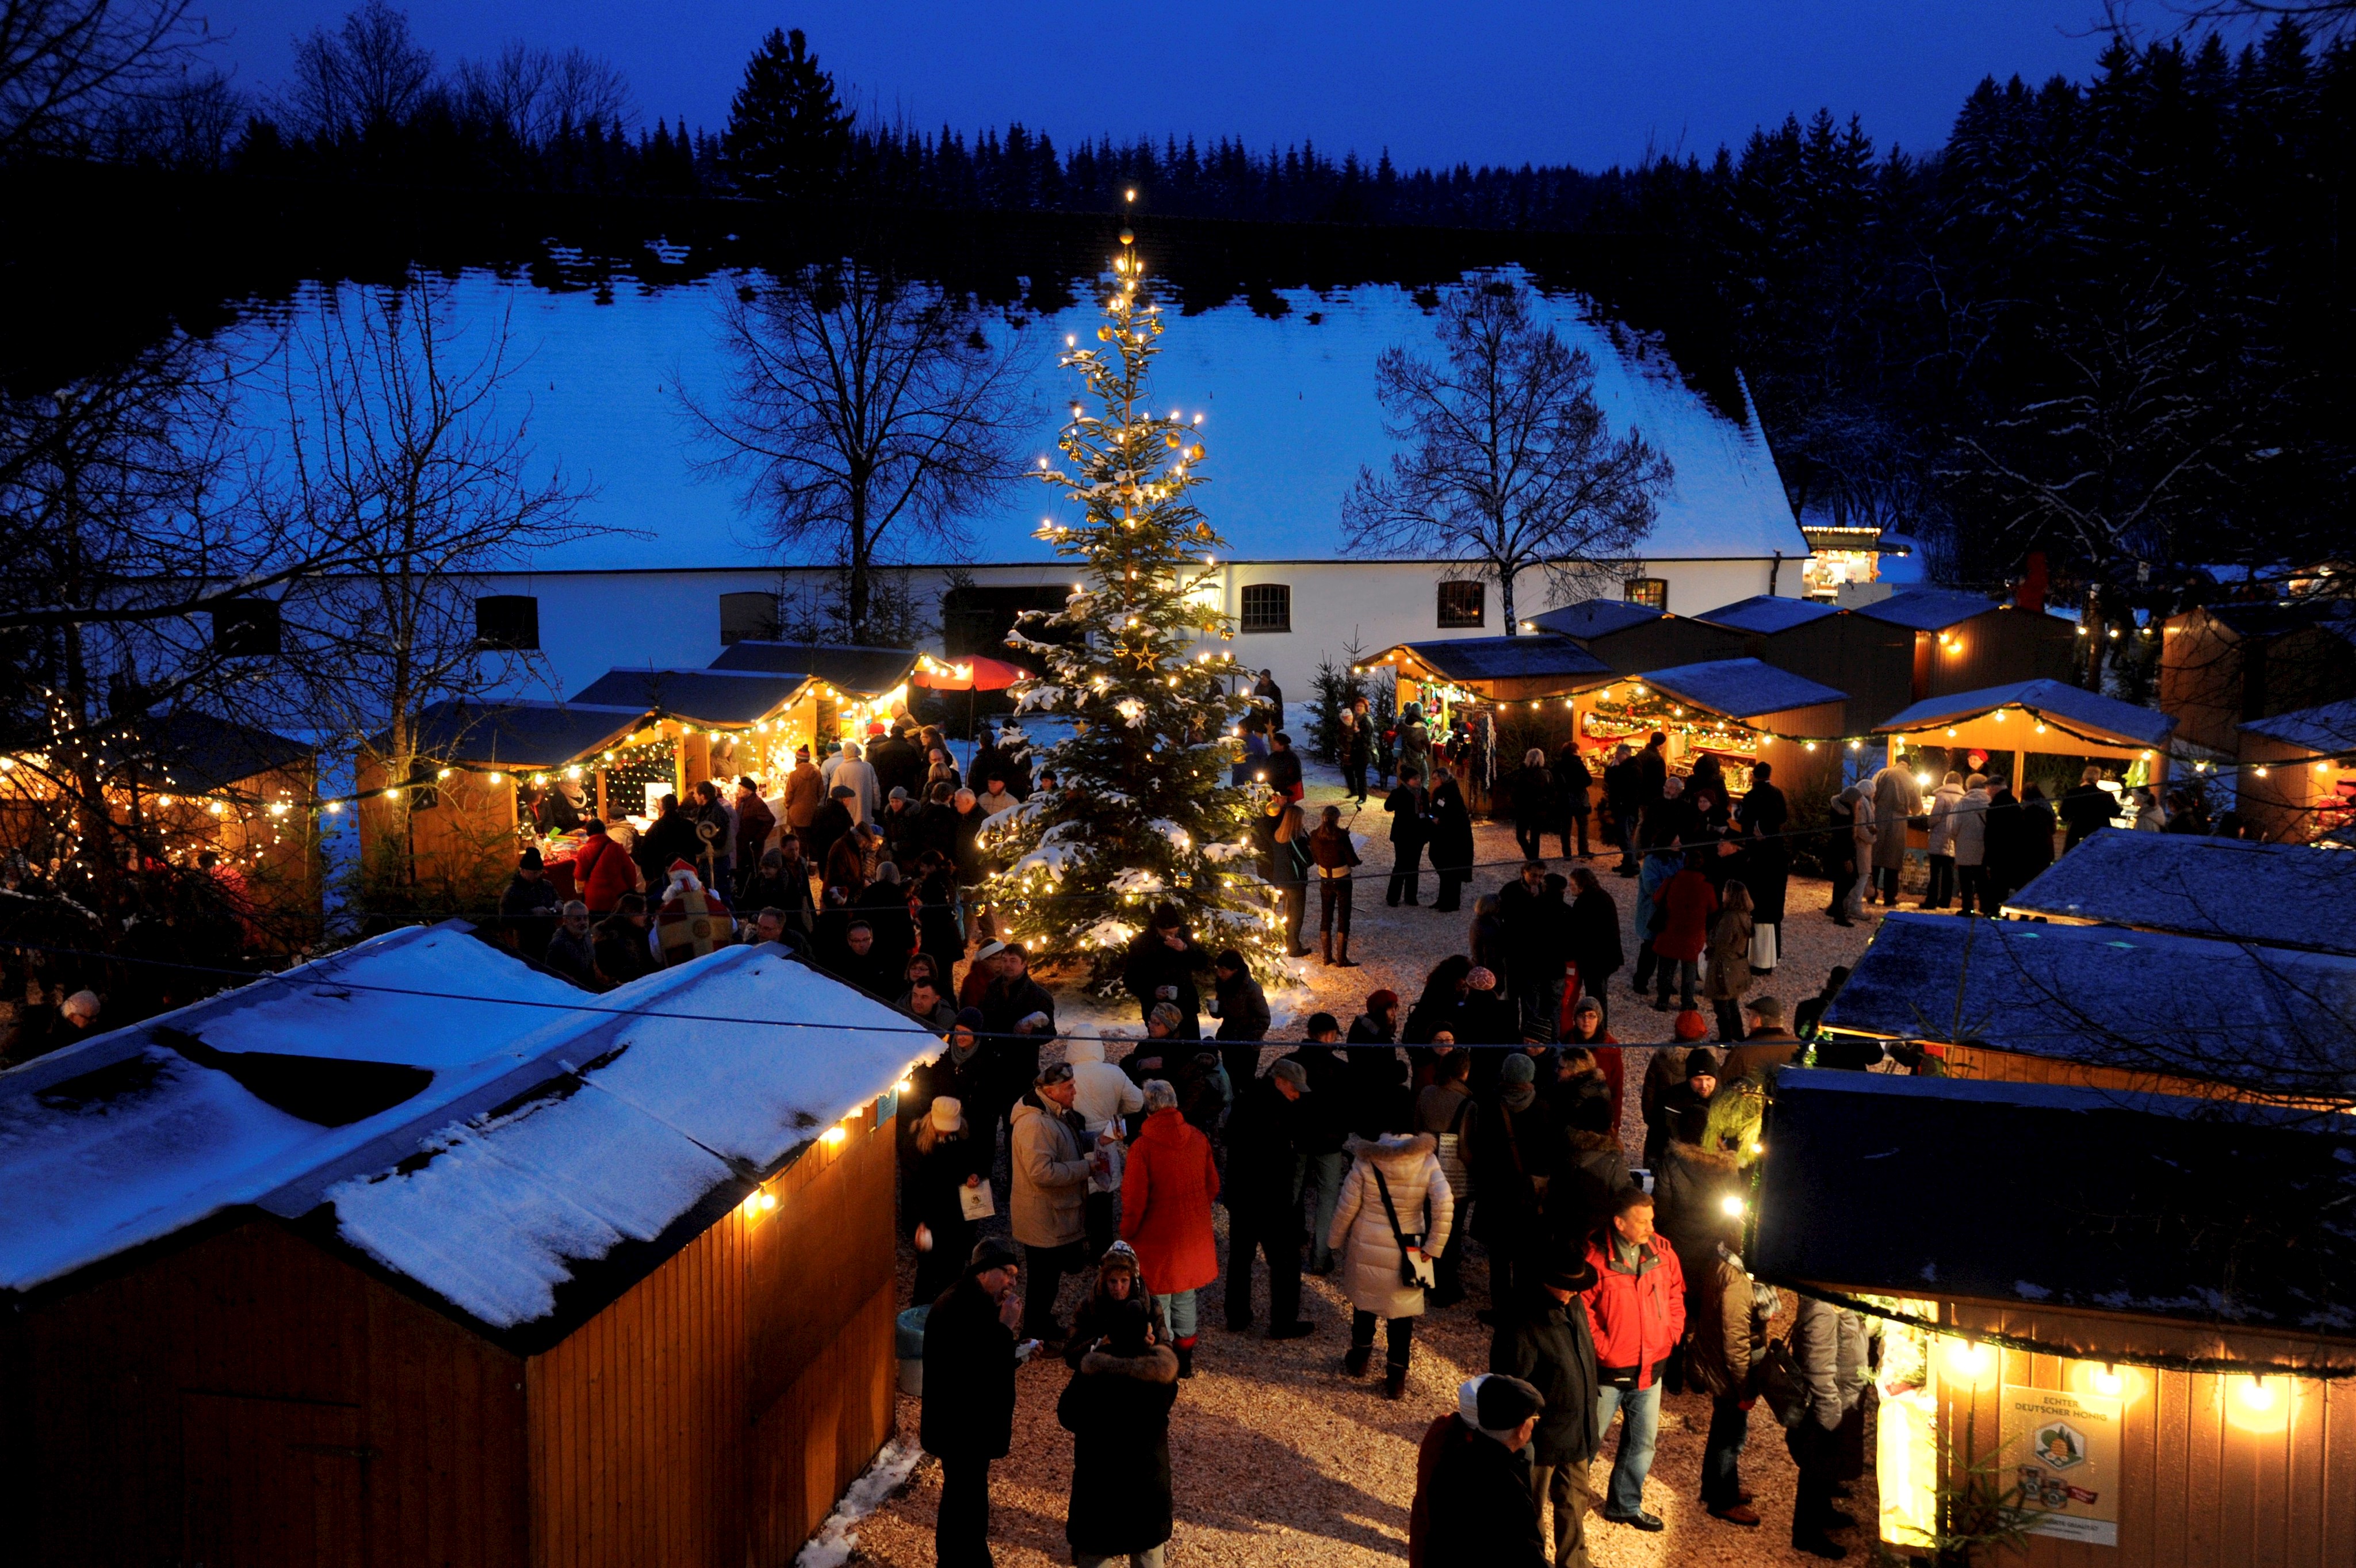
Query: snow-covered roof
x=1741, y=688
x=1525, y=657
x=1927, y=609
x=146, y=1131
x=1768, y=614
x=520, y=733
x=2117, y=1203
x=2326, y=729
x=2275, y=895
x=2104, y=994
x=204, y=751
x=486, y=1132
x=861, y=672
x=713, y=696
x=1596, y=617
x=2058, y=703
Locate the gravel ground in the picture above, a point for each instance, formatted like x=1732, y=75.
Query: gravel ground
x=1278, y=1457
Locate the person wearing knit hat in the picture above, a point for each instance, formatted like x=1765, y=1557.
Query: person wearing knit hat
x=946, y=1162
x=1518, y=1134
x=1519, y=1069
x=1690, y=1025
x=1474, y=1506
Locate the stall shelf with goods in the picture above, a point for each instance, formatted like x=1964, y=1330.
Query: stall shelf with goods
x=1539, y=685
x=2123, y=1322
x=2296, y=779
x=1741, y=711
x=418, y=1246
x=856, y=687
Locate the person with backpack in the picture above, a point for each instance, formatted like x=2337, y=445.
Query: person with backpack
x=1545, y=1341
x=1472, y=1506
x=1636, y=1313
x=1392, y=1223
x=1725, y=1355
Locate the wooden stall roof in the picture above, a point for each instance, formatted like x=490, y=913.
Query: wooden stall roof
x=2073, y=709
x=1765, y=615
x=2272, y=895
x=520, y=734
x=2147, y=1205
x=1741, y=689
x=203, y=751
x=2327, y=731
x=508, y=1149
x=1470, y=660
x=867, y=673
x=705, y=697
x=1596, y=618
x=1927, y=609
x=2102, y=996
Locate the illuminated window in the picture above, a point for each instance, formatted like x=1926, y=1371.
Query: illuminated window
x=1268, y=607
x=1463, y=605
x=1651, y=591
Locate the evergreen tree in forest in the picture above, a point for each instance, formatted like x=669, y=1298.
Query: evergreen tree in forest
x=1145, y=814
x=788, y=132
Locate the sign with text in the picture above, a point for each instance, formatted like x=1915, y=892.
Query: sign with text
x=2063, y=1451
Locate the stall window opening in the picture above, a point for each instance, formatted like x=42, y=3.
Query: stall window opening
x=1463, y=605
x=1268, y=607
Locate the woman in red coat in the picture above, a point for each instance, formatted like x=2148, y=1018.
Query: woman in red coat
x=1690, y=901
x=1165, y=1213
x=602, y=870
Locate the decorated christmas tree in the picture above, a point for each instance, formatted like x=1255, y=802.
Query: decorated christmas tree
x=1144, y=813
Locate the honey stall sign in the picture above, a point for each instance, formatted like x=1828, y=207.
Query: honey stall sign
x=2062, y=1451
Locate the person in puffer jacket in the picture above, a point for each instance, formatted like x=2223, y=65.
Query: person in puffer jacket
x=1636, y=1314
x=1408, y=1169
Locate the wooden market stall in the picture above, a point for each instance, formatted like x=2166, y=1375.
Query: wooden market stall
x=2033, y=732
x=1966, y=641
x=1871, y=660
x=853, y=687
x=1742, y=711
x=2259, y=894
x=2130, y=1313
x=2296, y=779
x=2104, y=1007
x=402, y=1258
x=1632, y=637
x=2222, y=665
x=1538, y=681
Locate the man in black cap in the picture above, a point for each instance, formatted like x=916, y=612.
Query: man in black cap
x=968, y=1411
x=1545, y=1342
x=528, y=905
x=1477, y=1507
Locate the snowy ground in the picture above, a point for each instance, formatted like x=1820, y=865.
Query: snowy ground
x=1280, y=1459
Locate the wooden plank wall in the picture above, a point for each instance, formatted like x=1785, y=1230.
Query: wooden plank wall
x=714, y=1413
x=228, y=1342
x=2208, y=1481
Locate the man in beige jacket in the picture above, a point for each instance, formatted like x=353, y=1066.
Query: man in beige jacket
x=1049, y=1214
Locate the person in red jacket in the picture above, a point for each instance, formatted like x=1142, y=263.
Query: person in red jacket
x=1165, y=1213
x=1636, y=1313
x=1689, y=902
x=602, y=870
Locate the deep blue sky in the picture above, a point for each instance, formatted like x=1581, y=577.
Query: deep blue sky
x=1581, y=81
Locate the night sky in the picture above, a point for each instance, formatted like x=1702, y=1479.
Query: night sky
x=1576, y=82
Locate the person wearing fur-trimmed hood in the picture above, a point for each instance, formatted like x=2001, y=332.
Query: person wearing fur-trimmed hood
x=1116, y=1408
x=1381, y=1240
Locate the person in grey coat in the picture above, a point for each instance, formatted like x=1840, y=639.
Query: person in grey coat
x=1896, y=796
x=1830, y=1349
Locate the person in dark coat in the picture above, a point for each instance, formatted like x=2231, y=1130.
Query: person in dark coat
x=2087, y=808
x=1762, y=819
x=1592, y=937
x=1162, y=962
x=1410, y=828
x=1357, y=749
x=1116, y=1408
x=1452, y=841
x=527, y=905
x=2006, y=850
x=624, y=953
x=1017, y=1010
x=1516, y=1153
x=1573, y=788
x=1381, y=1100
x=830, y=826
x=781, y=881
x=1244, y=1017
x=1441, y=1006
x=1476, y=1505
x=898, y=765
x=2032, y=846
x=1283, y=770
x=1624, y=789
x=945, y=1160
x=1263, y=1199
x=968, y=1418
x=1529, y=796
x=1546, y=1343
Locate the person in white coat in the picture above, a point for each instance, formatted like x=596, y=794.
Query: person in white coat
x=1381, y=1242
x=1943, y=801
x=1106, y=1094
x=859, y=773
x=1970, y=817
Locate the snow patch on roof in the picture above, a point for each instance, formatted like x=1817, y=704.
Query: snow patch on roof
x=1741, y=688
x=2057, y=700
x=2277, y=895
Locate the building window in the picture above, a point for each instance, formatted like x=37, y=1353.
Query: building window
x=748, y=617
x=1268, y=607
x=1463, y=603
x=507, y=623
x=1651, y=591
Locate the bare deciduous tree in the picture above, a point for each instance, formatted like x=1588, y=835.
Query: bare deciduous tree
x=368, y=73
x=533, y=94
x=65, y=63
x=862, y=410
x=1511, y=463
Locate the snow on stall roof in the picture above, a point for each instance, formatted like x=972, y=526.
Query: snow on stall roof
x=2276, y=895
x=1927, y=609
x=124, y=1139
x=519, y=733
x=1768, y=614
x=654, y=1118
x=861, y=672
x=2326, y=729
x=717, y=696
x=2136, y=1203
x=1595, y=617
x=2056, y=701
x=1741, y=688
x=1528, y=656
x=2100, y=993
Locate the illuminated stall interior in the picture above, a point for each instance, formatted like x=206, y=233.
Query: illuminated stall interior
x=1841, y=558
x=1545, y=681
x=700, y=723
x=2041, y=732
x=1741, y=711
x=2298, y=775
x=853, y=687
x=2128, y=1318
